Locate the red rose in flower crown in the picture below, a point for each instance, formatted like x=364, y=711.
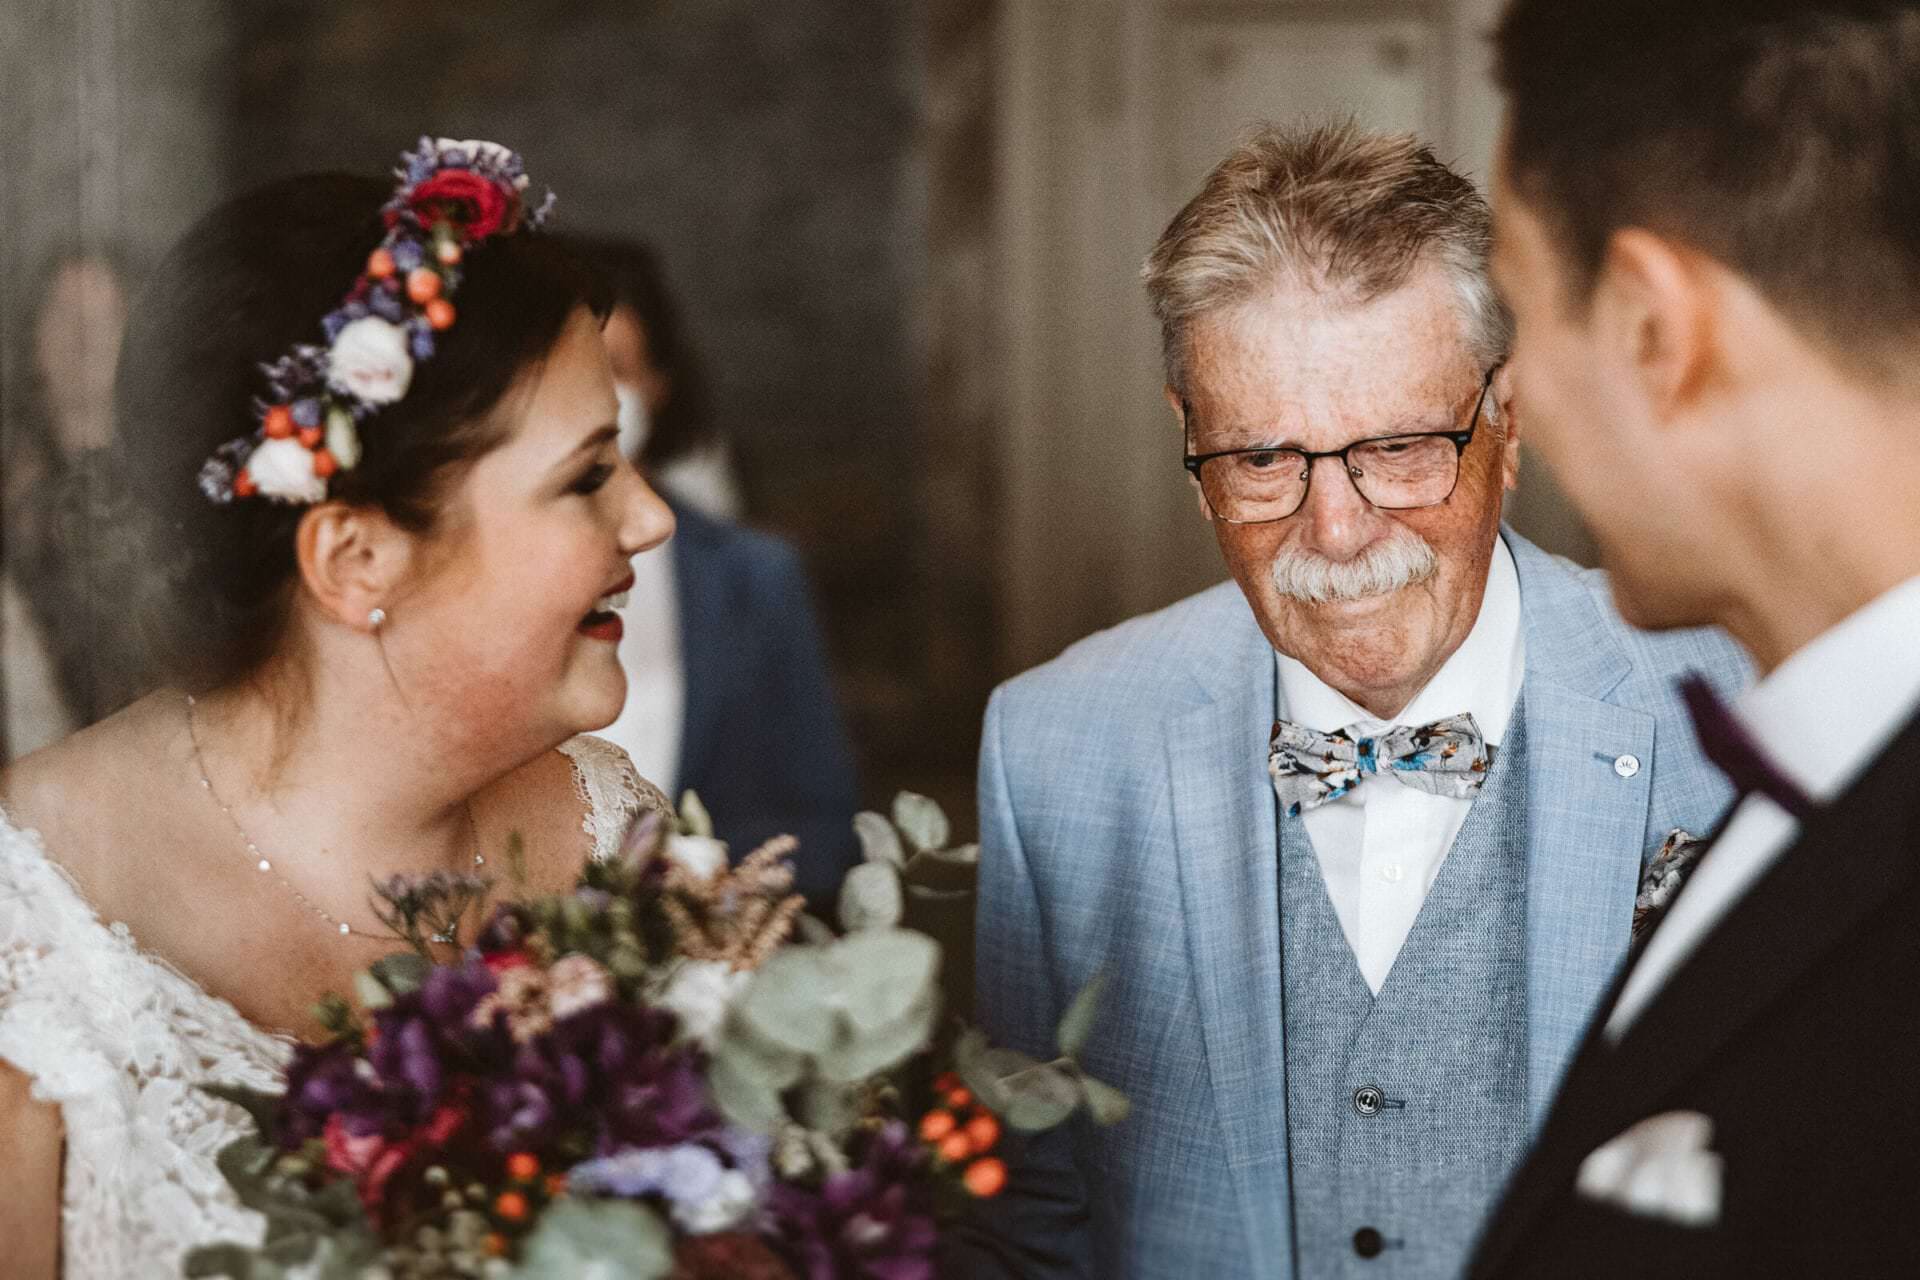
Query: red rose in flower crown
x=479, y=205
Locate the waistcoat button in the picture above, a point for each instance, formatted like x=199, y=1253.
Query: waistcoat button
x=1368, y=1243
x=1367, y=1100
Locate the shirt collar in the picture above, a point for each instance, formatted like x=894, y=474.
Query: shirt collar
x=1829, y=709
x=1481, y=677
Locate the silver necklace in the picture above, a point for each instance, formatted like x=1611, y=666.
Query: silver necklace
x=264, y=864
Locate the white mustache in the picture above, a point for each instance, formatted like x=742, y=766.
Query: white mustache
x=1394, y=562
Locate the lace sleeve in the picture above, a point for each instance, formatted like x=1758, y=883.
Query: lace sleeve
x=612, y=790
x=119, y=1040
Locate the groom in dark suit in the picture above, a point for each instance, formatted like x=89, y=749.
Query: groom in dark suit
x=1708, y=216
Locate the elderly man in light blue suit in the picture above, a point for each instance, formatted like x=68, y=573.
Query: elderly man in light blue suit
x=1357, y=839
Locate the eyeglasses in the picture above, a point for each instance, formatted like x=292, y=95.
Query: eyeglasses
x=1394, y=473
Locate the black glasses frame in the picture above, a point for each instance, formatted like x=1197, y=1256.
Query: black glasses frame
x=1460, y=439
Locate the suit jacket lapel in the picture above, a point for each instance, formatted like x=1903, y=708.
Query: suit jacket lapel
x=1849, y=860
x=1224, y=817
x=1587, y=822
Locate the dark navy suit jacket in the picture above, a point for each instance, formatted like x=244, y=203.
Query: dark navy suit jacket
x=763, y=743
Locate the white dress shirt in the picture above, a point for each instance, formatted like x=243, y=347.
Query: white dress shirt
x=650, y=723
x=1821, y=717
x=1382, y=844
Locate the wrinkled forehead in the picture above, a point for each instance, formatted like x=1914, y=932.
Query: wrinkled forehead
x=1324, y=369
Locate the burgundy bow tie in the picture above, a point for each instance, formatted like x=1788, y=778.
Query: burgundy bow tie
x=1728, y=744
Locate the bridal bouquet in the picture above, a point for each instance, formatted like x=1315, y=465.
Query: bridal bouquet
x=670, y=1071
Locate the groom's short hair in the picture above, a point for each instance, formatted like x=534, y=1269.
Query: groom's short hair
x=1333, y=209
x=1780, y=137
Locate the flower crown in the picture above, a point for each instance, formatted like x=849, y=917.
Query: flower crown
x=451, y=197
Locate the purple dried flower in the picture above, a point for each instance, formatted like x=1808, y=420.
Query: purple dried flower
x=306, y=412
x=387, y=306
x=407, y=255
x=874, y=1221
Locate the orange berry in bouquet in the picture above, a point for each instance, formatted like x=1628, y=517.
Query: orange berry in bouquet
x=985, y=1177
x=984, y=1131
x=936, y=1125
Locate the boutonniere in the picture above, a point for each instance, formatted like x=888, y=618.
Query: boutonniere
x=1663, y=877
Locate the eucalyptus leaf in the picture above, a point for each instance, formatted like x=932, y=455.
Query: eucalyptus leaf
x=982, y=1067
x=372, y=994
x=604, y=1239
x=921, y=820
x=960, y=857
x=926, y=893
x=1105, y=1103
x=262, y=1107
x=403, y=972
x=694, y=819
x=882, y=973
x=879, y=842
x=757, y=1059
x=744, y=1100
x=814, y=931
x=1040, y=1098
x=1077, y=1024
x=870, y=898
x=787, y=1002
x=870, y=1051
x=829, y=1107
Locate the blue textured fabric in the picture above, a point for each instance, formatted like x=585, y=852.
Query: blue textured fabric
x=1128, y=827
x=1441, y=1051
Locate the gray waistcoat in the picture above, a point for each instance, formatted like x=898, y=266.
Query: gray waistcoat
x=1415, y=1164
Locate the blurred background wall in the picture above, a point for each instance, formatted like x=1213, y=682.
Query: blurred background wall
x=905, y=234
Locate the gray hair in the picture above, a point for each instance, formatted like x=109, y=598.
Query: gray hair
x=1333, y=209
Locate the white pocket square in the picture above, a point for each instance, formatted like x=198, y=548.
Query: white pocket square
x=1660, y=1168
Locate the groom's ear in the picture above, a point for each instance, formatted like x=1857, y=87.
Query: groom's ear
x=352, y=560
x=1178, y=404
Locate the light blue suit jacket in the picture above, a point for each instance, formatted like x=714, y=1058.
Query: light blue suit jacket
x=1128, y=827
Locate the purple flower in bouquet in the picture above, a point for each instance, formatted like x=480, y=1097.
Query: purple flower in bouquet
x=873, y=1221
x=651, y=1093
x=321, y=1080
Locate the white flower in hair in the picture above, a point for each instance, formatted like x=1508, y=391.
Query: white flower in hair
x=369, y=360
x=283, y=469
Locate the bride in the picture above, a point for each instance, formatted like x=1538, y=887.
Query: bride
x=388, y=612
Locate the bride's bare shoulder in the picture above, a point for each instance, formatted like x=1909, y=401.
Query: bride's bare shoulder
x=558, y=801
x=101, y=788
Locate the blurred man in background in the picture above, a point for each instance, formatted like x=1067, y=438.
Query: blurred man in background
x=728, y=689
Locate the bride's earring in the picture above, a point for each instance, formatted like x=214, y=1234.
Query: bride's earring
x=376, y=617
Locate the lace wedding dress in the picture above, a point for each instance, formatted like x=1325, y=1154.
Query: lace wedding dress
x=118, y=1039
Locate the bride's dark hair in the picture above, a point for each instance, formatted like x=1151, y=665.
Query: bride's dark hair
x=248, y=282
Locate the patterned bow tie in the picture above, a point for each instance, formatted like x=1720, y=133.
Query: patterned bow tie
x=1449, y=757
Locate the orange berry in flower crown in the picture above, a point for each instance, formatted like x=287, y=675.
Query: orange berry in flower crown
x=423, y=284
x=523, y=1166
x=277, y=423
x=955, y=1147
x=959, y=1098
x=440, y=313
x=380, y=263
